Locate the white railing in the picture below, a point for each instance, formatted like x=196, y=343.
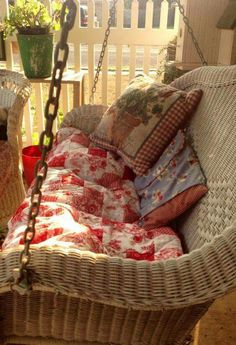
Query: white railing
x=129, y=50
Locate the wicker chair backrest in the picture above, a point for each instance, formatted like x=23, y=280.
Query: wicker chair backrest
x=7, y=97
x=13, y=85
x=15, y=90
x=212, y=132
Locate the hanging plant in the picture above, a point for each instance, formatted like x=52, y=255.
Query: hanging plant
x=34, y=26
x=32, y=17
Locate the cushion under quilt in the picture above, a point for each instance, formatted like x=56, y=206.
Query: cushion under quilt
x=89, y=203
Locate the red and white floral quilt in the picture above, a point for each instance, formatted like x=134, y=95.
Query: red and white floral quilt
x=89, y=203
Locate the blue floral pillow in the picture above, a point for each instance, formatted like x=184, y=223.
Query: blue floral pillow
x=172, y=185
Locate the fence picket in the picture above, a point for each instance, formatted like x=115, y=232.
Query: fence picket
x=164, y=15
x=91, y=13
x=78, y=16
x=118, y=69
x=48, y=4
x=146, y=59
x=134, y=14
x=176, y=22
x=9, y=55
x=132, y=61
x=105, y=13
x=90, y=57
x=105, y=59
x=76, y=45
x=39, y=106
x=149, y=14
x=105, y=77
x=120, y=14
x=65, y=104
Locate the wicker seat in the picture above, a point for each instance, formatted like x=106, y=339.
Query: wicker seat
x=14, y=93
x=88, y=298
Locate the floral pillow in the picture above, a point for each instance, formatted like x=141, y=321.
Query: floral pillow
x=171, y=186
x=143, y=121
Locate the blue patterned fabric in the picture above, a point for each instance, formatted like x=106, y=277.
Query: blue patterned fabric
x=176, y=170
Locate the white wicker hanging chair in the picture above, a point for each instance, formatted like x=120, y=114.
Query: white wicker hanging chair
x=86, y=298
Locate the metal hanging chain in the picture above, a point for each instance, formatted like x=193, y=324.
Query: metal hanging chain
x=22, y=275
x=190, y=30
x=103, y=50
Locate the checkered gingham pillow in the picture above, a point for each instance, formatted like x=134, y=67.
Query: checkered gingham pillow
x=144, y=120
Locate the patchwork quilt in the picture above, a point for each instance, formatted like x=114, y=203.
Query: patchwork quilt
x=89, y=203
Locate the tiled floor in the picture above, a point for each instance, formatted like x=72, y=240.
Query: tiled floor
x=218, y=326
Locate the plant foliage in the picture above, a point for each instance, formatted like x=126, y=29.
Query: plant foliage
x=32, y=15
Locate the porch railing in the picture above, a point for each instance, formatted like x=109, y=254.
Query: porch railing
x=130, y=49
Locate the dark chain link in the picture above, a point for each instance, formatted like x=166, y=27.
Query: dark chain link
x=22, y=276
x=103, y=51
x=190, y=30
x=189, y=340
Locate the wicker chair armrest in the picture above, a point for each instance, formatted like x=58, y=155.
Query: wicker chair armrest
x=23, y=91
x=204, y=274
x=18, y=90
x=17, y=83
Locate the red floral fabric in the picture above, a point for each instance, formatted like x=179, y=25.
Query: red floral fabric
x=89, y=203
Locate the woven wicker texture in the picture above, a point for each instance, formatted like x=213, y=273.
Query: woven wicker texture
x=81, y=296
x=213, y=135
x=14, y=92
x=94, y=322
x=86, y=117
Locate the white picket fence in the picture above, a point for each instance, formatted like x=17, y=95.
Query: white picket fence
x=124, y=43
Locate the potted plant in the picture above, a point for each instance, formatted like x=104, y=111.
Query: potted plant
x=33, y=23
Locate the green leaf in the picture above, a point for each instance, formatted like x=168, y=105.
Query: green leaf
x=32, y=14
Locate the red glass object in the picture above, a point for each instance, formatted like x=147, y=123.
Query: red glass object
x=30, y=156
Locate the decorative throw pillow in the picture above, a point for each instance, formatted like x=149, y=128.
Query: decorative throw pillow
x=171, y=186
x=143, y=121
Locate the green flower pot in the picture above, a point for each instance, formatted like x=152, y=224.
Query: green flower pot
x=36, y=54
